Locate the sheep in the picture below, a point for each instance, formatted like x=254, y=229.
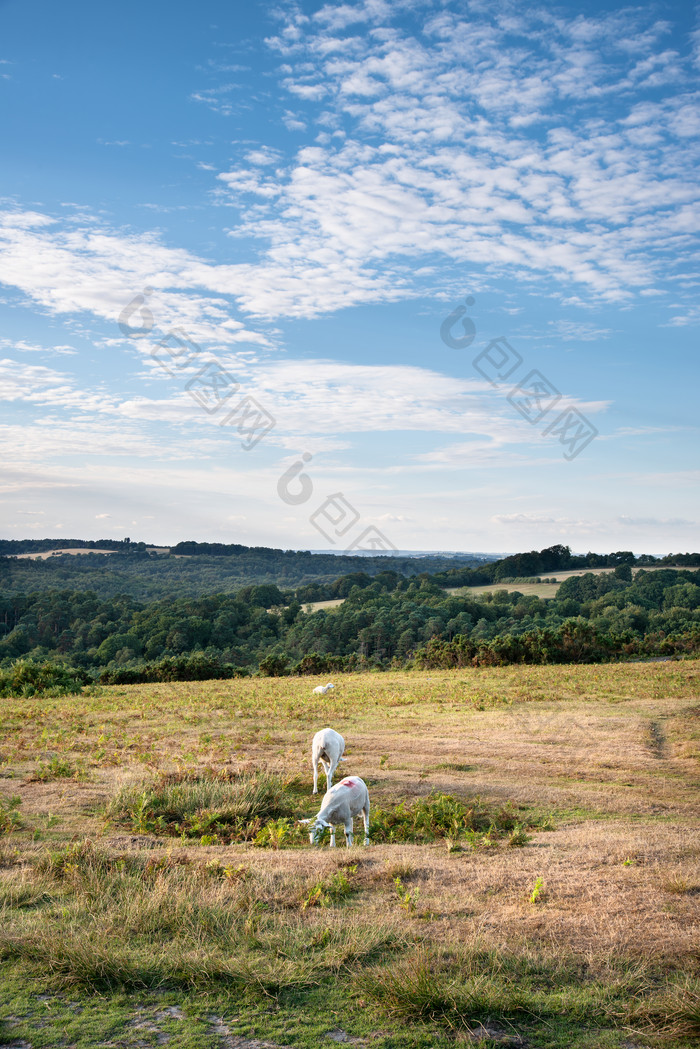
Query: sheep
x=344, y=801
x=327, y=746
x=321, y=690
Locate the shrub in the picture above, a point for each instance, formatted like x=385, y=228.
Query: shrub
x=318, y=663
x=197, y=667
x=274, y=666
x=28, y=678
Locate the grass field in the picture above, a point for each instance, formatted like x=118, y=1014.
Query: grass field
x=541, y=589
x=528, y=589
x=315, y=605
x=534, y=877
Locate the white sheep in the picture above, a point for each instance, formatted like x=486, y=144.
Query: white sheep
x=327, y=746
x=321, y=690
x=341, y=804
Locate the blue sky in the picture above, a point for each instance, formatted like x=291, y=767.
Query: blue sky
x=298, y=196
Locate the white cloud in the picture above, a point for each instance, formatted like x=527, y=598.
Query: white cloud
x=537, y=520
x=450, y=167
x=98, y=271
x=515, y=142
x=22, y=346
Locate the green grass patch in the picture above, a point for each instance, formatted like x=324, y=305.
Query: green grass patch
x=86, y=919
x=462, y=988
x=223, y=807
x=219, y=806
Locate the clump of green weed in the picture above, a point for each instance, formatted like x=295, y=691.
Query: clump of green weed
x=538, y=894
x=408, y=898
x=518, y=837
x=333, y=890
x=444, y=817
x=227, y=872
x=278, y=834
x=59, y=768
x=10, y=818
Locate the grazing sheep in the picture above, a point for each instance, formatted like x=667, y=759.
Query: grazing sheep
x=341, y=804
x=321, y=690
x=327, y=746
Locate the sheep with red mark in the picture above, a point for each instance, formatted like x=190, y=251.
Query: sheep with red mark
x=327, y=746
x=341, y=804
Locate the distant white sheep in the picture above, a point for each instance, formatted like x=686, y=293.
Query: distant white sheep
x=321, y=690
x=327, y=746
x=341, y=804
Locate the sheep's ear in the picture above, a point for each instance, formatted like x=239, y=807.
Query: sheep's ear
x=304, y=821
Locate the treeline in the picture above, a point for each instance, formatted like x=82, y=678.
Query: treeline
x=551, y=560
x=384, y=621
x=575, y=641
x=148, y=575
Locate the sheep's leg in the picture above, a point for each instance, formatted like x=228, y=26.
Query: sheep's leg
x=365, y=817
x=332, y=835
x=315, y=762
x=348, y=833
x=327, y=769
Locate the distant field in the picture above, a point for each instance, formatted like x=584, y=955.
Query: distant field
x=42, y=555
x=542, y=589
x=315, y=605
x=538, y=589
x=572, y=922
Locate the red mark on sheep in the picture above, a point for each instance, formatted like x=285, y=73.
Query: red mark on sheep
x=349, y=782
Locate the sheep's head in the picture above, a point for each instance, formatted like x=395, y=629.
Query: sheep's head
x=316, y=829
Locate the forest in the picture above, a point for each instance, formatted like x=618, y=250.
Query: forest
x=386, y=619
x=189, y=569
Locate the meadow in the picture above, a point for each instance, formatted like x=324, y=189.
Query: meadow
x=533, y=878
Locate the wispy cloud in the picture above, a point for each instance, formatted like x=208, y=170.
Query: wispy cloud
x=99, y=271
x=502, y=139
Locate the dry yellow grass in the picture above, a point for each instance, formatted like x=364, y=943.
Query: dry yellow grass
x=611, y=751
x=586, y=937
x=315, y=605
